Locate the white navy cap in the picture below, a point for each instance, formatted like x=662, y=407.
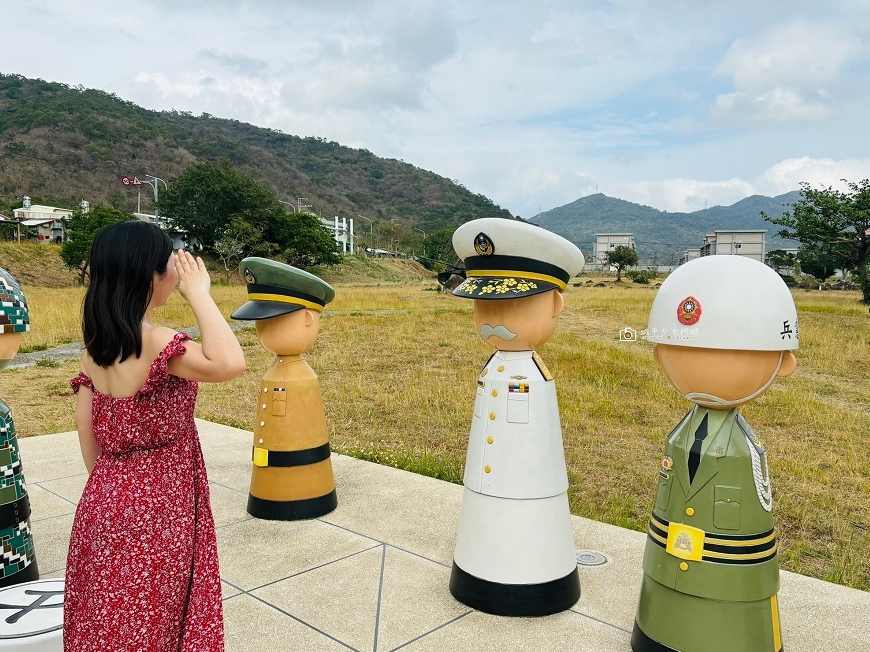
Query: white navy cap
x=506, y=259
x=725, y=302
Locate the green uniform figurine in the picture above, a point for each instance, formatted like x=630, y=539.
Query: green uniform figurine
x=724, y=328
x=17, y=559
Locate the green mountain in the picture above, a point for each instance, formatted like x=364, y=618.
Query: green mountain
x=661, y=233
x=60, y=144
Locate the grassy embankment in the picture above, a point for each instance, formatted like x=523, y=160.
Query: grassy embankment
x=398, y=388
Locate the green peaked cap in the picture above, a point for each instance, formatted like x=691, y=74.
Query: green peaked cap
x=275, y=289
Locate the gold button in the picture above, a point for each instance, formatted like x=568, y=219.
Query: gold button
x=264, y=406
x=501, y=367
x=489, y=440
x=684, y=566
x=265, y=389
x=690, y=511
x=495, y=392
x=492, y=416
x=262, y=423
x=486, y=469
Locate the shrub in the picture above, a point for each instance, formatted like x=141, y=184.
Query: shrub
x=640, y=275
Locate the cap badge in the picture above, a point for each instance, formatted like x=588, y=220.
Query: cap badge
x=667, y=463
x=689, y=311
x=483, y=245
x=250, y=279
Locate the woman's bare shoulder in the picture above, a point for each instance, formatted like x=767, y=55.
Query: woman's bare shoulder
x=155, y=339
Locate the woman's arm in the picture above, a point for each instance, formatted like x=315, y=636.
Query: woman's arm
x=220, y=356
x=85, y=425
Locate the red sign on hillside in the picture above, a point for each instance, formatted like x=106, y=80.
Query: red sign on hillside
x=128, y=182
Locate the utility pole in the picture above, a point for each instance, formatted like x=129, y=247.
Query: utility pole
x=152, y=181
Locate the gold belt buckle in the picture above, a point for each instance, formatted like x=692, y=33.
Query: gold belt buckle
x=261, y=456
x=685, y=542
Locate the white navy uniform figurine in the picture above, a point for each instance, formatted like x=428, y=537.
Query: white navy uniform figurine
x=515, y=552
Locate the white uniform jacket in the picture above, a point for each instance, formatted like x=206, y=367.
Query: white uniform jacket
x=515, y=449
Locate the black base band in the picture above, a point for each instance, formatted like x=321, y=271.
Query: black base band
x=292, y=510
x=640, y=642
x=29, y=574
x=15, y=512
x=515, y=599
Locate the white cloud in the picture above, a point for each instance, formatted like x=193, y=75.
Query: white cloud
x=682, y=195
x=787, y=174
x=784, y=75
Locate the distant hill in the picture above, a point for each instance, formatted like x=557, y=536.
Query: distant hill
x=660, y=232
x=60, y=144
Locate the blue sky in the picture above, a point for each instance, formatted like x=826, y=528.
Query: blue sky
x=534, y=104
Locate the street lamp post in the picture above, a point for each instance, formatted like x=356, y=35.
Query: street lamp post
x=289, y=203
x=424, y=239
x=371, y=228
x=152, y=181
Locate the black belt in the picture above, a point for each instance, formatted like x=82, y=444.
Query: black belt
x=298, y=458
x=14, y=512
x=723, y=548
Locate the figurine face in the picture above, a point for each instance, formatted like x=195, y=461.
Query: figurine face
x=289, y=334
x=518, y=324
x=9, y=343
x=733, y=377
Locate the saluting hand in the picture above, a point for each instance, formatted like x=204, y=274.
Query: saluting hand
x=193, y=279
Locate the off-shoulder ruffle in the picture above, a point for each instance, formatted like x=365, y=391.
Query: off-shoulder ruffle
x=81, y=380
x=160, y=367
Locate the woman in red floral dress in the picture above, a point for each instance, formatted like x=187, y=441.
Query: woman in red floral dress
x=142, y=572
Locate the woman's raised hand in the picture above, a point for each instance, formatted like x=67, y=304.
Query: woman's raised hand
x=193, y=279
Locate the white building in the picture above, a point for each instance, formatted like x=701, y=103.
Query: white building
x=47, y=222
x=605, y=242
x=751, y=243
x=342, y=232
x=690, y=254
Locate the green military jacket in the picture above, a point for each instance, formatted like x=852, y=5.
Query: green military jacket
x=713, y=537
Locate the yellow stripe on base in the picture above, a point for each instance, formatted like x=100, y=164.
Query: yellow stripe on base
x=711, y=538
x=257, y=296
x=504, y=273
x=777, y=636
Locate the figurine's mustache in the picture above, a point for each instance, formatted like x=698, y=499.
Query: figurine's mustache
x=487, y=331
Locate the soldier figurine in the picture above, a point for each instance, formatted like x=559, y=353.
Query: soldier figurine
x=292, y=476
x=515, y=552
x=18, y=561
x=725, y=328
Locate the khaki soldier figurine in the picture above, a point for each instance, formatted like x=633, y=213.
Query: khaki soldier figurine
x=292, y=476
x=515, y=552
x=725, y=328
x=18, y=560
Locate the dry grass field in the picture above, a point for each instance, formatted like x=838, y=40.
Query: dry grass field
x=398, y=365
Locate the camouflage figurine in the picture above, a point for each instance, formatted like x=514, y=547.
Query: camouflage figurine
x=725, y=328
x=18, y=561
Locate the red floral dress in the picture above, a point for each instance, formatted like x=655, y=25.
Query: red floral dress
x=142, y=572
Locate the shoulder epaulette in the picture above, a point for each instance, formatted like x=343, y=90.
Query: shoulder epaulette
x=539, y=363
x=486, y=366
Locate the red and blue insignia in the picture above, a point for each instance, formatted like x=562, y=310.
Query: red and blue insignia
x=518, y=387
x=689, y=311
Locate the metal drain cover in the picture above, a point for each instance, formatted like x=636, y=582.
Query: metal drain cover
x=590, y=558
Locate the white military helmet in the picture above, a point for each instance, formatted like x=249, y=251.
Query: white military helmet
x=725, y=302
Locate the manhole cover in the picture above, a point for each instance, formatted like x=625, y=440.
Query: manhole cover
x=590, y=558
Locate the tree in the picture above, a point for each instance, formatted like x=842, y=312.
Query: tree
x=780, y=259
x=818, y=263
x=206, y=197
x=240, y=240
x=439, y=248
x=832, y=223
x=82, y=227
x=620, y=257
x=305, y=242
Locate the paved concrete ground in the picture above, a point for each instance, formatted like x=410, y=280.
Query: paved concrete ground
x=372, y=575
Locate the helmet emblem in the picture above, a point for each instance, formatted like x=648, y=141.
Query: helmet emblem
x=483, y=245
x=250, y=279
x=689, y=311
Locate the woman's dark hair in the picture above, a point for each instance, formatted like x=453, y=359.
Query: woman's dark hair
x=123, y=259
